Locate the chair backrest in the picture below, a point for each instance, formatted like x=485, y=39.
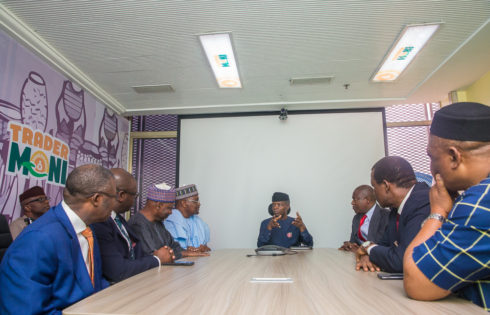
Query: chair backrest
x=423, y=178
x=5, y=237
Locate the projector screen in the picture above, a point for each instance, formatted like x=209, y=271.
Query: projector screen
x=238, y=162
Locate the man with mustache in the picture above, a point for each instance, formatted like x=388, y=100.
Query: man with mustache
x=34, y=203
x=281, y=229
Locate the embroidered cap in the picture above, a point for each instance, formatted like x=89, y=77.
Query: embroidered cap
x=161, y=193
x=279, y=196
x=32, y=192
x=185, y=191
x=462, y=121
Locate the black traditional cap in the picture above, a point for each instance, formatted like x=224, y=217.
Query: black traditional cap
x=32, y=192
x=462, y=121
x=279, y=196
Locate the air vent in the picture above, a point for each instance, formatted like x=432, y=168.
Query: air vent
x=311, y=80
x=153, y=88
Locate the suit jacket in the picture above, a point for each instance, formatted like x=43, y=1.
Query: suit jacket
x=389, y=254
x=377, y=226
x=5, y=237
x=43, y=271
x=116, y=262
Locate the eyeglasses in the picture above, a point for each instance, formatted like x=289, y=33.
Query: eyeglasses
x=196, y=201
x=105, y=194
x=134, y=194
x=40, y=199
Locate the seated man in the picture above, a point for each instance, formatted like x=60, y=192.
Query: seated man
x=148, y=226
x=34, y=203
x=281, y=229
x=55, y=261
x=121, y=251
x=451, y=252
x=395, y=187
x=184, y=224
x=370, y=221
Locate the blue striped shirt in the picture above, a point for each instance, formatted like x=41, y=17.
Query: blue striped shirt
x=457, y=256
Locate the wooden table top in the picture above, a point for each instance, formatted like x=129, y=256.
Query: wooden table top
x=323, y=282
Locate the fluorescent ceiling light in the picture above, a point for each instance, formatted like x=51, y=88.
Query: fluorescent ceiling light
x=407, y=46
x=219, y=52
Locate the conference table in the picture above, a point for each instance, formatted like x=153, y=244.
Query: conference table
x=318, y=281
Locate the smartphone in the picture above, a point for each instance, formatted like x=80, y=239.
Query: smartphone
x=390, y=276
x=179, y=263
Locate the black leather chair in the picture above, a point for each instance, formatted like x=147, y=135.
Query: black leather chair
x=5, y=237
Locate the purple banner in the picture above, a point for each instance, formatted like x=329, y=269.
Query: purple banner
x=49, y=126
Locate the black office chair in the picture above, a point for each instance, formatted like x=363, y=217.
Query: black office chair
x=5, y=236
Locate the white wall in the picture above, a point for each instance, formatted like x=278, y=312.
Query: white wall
x=237, y=164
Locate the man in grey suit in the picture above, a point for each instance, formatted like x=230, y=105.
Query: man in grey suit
x=370, y=221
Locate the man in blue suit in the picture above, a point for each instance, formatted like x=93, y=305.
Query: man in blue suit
x=121, y=250
x=395, y=187
x=55, y=261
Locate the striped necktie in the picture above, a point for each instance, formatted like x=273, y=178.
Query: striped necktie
x=87, y=233
x=124, y=233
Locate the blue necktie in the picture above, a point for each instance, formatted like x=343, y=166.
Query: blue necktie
x=126, y=236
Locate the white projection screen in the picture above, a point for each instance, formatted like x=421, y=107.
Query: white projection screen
x=318, y=158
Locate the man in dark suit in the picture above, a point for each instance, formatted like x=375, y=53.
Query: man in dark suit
x=120, y=248
x=369, y=223
x=395, y=187
x=55, y=262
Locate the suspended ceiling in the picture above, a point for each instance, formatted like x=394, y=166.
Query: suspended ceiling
x=108, y=47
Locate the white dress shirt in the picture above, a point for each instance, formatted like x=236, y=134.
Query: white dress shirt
x=78, y=226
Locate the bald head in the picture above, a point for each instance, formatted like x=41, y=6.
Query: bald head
x=90, y=191
x=365, y=191
x=124, y=180
x=126, y=190
x=87, y=179
x=363, y=199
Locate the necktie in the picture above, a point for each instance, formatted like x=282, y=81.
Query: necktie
x=359, y=234
x=87, y=233
x=397, y=221
x=126, y=236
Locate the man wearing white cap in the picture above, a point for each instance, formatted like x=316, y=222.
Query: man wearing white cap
x=184, y=224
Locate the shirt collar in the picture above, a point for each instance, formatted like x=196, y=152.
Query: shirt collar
x=369, y=214
x=113, y=215
x=76, y=222
x=400, y=208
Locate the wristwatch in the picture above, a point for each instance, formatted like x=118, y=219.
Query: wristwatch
x=436, y=216
x=366, y=244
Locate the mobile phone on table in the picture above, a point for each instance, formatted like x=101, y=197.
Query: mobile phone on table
x=390, y=276
x=179, y=263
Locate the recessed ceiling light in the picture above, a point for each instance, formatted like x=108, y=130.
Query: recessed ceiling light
x=219, y=52
x=411, y=40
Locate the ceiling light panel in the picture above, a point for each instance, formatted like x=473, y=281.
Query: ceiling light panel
x=407, y=46
x=219, y=52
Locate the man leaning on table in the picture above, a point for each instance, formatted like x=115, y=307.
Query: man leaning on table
x=395, y=187
x=121, y=250
x=369, y=223
x=55, y=261
x=451, y=253
x=148, y=222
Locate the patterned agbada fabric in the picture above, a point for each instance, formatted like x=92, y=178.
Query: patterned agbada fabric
x=457, y=256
